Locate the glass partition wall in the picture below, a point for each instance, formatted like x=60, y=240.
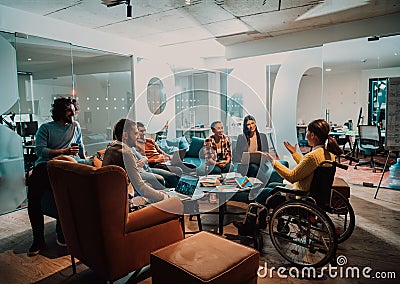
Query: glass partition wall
x=102, y=83
x=44, y=70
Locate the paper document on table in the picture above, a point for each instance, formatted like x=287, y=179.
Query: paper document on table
x=232, y=175
x=227, y=188
x=254, y=180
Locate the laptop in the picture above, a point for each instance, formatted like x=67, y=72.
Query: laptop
x=251, y=157
x=185, y=189
x=177, y=158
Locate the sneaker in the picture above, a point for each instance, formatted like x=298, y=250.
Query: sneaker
x=60, y=241
x=36, y=247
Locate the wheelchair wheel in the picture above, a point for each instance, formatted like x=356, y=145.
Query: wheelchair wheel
x=303, y=234
x=342, y=216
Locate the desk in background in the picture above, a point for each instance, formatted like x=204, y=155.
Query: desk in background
x=344, y=137
x=29, y=157
x=301, y=136
x=29, y=149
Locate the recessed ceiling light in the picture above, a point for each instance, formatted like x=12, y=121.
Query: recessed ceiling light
x=328, y=69
x=29, y=59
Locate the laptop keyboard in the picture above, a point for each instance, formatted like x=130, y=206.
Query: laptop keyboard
x=177, y=194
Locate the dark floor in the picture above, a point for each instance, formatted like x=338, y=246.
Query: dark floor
x=374, y=243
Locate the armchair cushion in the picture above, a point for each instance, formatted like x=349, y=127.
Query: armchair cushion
x=195, y=147
x=183, y=143
x=195, y=161
x=152, y=215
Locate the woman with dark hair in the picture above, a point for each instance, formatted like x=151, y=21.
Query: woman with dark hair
x=251, y=141
x=324, y=148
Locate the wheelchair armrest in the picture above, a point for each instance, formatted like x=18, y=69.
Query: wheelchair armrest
x=290, y=190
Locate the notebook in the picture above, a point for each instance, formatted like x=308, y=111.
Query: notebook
x=243, y=182
x=185, y=189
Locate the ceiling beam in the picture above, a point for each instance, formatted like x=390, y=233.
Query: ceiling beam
x=377, y=26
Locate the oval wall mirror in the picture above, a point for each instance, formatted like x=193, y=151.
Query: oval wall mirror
x=156, y=99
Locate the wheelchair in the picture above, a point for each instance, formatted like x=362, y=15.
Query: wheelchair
x=306, y=227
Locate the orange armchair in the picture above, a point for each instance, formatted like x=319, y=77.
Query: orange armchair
x=92, y=205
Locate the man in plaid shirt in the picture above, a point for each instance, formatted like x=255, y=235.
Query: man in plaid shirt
x=217, y=150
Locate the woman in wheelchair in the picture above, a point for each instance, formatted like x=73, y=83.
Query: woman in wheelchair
x=325, y=148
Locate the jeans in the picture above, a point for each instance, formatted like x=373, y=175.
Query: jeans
x=155, y=180
x=169, y=173
x=267, y=192
x=259, y=171
x=216, y=170
x=38, y=184
x=171, y=179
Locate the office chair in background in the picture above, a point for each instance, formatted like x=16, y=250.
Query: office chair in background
x=369, y=141
x=302, y=141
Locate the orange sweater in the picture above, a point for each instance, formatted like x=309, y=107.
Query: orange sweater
x=151, y=150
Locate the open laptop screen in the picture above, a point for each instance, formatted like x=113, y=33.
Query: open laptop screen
x=187, y=184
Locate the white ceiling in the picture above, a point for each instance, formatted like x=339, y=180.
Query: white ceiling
x=172, y=24
x=165, y=23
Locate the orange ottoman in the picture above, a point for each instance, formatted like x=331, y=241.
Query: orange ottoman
x=204, y=258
